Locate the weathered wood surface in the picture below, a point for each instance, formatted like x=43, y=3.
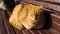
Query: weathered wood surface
x=6, y=28
x=51, y=1
x=2, y=28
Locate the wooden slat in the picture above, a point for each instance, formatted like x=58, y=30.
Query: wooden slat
x=52, y=31
x=52, y=11
x=51, y=1
x=48, y=31
x=34, y=31
x=56, y=26
x=25, y=31
x=56, y=13
x=46, y=5
x=6, y=23
x=55, y=18
x=2, y=28
x=17, y=31
x=39, y=32
x=43, y=32
x=56, y=22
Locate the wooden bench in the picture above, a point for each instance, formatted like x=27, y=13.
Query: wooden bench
x=6, y=28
